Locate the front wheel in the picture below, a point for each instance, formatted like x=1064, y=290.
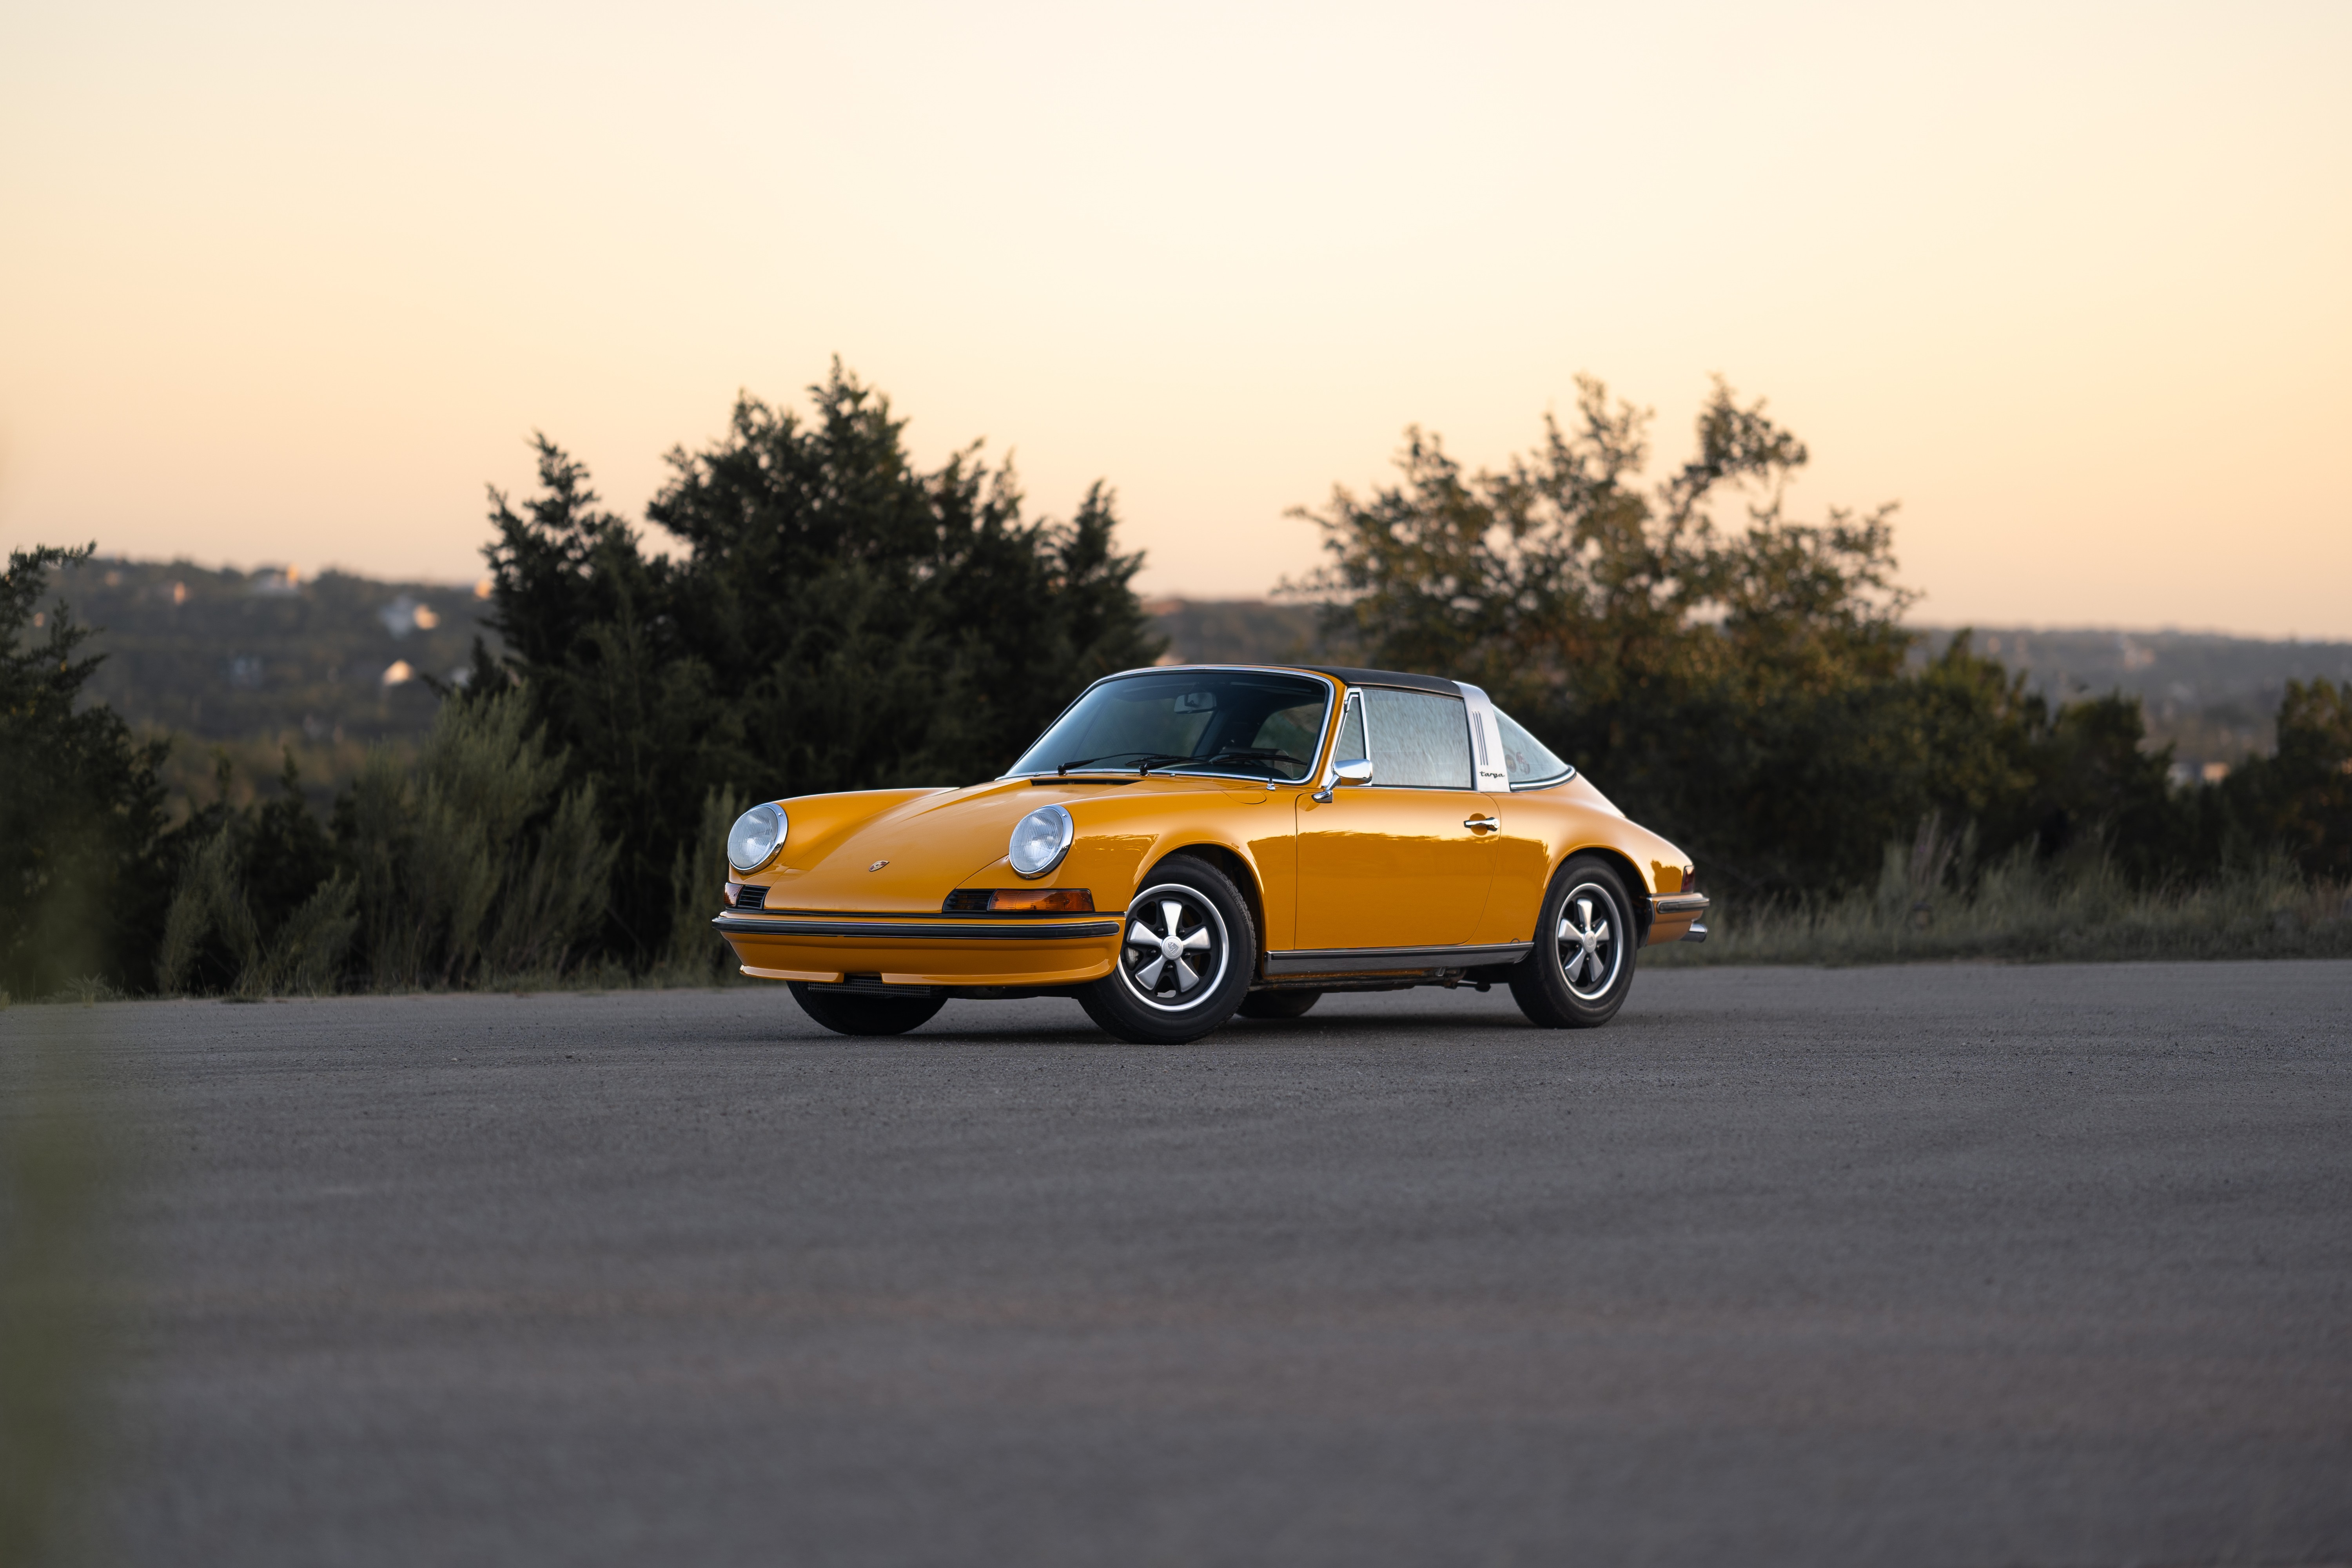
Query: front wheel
x=846, y=1013
x=1185, y=958
x=1582, y=965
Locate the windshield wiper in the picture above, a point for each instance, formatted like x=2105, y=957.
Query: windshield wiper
x=1145, y=763
x=1259, y=754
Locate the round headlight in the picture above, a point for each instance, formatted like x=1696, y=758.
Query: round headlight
x=753, y=838
x=1040, y=840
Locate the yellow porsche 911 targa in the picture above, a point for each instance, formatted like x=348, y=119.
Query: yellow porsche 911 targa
x=1188, y=843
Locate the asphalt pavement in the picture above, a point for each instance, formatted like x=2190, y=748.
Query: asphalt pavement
x=1934, y=1265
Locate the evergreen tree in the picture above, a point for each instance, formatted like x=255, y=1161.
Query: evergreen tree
x=836, y=619
x=83, y=887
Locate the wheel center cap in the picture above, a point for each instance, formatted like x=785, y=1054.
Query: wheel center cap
x=1170, y=948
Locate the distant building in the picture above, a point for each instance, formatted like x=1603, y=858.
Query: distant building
x=406, y=615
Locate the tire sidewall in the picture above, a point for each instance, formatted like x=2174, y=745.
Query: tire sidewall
x=1112, y=1004
x=1541, y=985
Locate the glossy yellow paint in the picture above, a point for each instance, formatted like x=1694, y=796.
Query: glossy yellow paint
x=1541, y=828
x=1393, y=868
x=1374, y=866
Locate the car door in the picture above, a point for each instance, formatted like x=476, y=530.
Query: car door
x=1397, y=862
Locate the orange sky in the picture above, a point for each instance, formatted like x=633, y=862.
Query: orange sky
x=292, y=283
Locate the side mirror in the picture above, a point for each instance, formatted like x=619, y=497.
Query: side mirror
x=1354, y=770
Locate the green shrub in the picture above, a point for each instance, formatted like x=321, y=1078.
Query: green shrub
x=479, y=865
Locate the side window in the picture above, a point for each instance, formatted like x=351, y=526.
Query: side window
x=1351, y=745
x=1420, y=739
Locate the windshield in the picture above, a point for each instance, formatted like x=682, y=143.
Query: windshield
x=1245, y=722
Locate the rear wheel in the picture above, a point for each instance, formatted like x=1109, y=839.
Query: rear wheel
x=846, y=1013
x=1278, y=1004
x=1185, y=959
x=1582, y=965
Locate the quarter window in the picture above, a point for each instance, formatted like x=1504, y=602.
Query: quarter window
x=1349, y=747
x=1529, y=762
x=1419, y=739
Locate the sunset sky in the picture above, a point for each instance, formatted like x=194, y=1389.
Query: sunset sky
x=2074, y=284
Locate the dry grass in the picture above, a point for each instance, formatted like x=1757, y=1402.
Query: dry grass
x=2021, y=911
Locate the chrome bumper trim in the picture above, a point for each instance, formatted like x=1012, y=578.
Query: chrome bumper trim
x=776, y=925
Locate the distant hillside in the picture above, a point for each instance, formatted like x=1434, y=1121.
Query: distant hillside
x=251, y=663
x=231, y=654
x=1233, y=631
x=2211, y=698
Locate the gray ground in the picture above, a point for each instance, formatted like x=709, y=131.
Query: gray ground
x=1939, y=1265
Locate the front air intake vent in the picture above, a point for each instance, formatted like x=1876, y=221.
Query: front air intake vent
x=748, y=897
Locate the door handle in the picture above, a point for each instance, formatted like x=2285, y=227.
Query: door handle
x=1482, y=824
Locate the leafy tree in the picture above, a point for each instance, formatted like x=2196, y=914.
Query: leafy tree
x=82, y=881
x=2096, y=784
x=1743, y=685
x=1564, y=578
x=836, y=619
x=2298, y=799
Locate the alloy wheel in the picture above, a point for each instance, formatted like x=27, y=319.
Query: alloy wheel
x=1176, y=948
x=1590, y=945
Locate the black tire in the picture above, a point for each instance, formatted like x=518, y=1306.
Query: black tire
x=1278, y=1004
x=846, y=1013
x=1144, y=1000
x=1568, y=982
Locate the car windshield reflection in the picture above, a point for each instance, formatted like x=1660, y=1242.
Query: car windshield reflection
x=1256, y=724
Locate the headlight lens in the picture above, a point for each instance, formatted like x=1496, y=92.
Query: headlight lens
x=754, y=837
x=1040, y=840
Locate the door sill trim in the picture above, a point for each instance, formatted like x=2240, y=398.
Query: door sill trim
x=1373, y=959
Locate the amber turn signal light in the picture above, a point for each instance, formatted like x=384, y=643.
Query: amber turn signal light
x=1022, y=900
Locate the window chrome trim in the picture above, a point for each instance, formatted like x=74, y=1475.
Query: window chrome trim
x=1373, y=750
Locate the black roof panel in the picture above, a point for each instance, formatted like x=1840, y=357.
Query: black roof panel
x=1387, y=677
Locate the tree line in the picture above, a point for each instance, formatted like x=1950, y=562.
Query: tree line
x=1743, y=683
x=834, y=617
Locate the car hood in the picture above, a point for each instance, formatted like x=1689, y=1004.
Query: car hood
x=892, y=851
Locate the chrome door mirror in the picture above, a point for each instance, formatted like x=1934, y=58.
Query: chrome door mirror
x=1354, y=770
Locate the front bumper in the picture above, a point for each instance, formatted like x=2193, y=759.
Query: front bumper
x=829, y=947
